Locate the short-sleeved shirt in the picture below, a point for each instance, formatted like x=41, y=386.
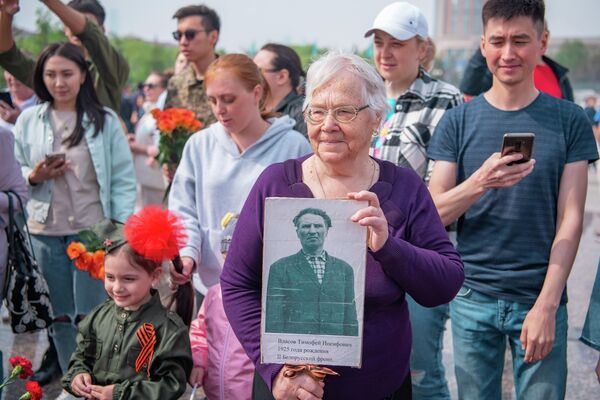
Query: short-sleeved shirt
x=186, y=91
x=506, y=236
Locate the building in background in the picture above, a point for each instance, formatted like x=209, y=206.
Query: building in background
x=457, y=31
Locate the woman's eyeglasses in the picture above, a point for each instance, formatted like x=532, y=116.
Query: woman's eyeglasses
x=189, y=34
x=149, y=86
x=342, y=114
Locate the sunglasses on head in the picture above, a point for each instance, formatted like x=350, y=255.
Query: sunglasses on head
x=189, y=34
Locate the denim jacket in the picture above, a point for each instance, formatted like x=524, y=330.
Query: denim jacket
x=110, y=155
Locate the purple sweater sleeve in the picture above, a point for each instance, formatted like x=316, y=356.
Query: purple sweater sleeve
x=419, y=257
x=242, y=276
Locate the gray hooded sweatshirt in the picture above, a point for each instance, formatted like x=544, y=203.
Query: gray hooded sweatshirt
x=214, y=178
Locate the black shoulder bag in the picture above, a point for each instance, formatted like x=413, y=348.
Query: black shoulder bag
x=25, y=290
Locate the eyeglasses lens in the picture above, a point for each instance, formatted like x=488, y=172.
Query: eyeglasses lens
x=340, y=114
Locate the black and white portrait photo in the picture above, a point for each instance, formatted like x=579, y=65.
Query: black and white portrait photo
x=314, y=260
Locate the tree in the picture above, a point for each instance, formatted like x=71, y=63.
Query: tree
x=47, y=31
x=572, y=54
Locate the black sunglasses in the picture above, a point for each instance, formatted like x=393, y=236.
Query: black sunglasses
x=149, y=85
x=189, y=34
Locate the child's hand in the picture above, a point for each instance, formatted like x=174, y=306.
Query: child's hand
x=197, y=376
x=81, y=385
x=102, y=392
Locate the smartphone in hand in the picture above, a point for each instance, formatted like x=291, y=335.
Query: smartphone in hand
x=52, y=157
x=518, y=143
x=5, y=97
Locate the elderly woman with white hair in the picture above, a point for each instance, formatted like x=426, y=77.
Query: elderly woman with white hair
x=408, y=248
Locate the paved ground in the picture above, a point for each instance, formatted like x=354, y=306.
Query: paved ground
x=581, y=382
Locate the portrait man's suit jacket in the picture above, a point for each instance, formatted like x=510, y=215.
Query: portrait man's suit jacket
x=297, y=303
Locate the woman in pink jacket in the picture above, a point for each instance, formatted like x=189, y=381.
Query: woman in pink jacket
x=221, y=365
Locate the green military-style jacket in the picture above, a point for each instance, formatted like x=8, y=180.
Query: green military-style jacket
x=186, y=91
x=108, y=347
x=109, y=69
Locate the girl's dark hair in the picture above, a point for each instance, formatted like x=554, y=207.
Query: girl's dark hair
x=286, y=58
x=183, y=298
x=87, y=100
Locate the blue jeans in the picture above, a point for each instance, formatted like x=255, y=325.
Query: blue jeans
x=591, y=328
x=72, y=292
x=427, y=370
x=481, y=325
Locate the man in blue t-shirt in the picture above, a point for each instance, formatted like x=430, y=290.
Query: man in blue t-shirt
x=519, y=225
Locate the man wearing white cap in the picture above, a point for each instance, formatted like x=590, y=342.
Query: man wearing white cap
x=417, y=103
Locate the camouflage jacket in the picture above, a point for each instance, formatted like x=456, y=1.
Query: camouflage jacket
x=186, y=91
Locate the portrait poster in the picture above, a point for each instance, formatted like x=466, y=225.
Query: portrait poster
x=313, y=290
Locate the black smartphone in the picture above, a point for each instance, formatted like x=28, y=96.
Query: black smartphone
x=5, y=97
x=518, y=143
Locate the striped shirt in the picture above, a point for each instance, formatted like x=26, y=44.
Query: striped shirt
x=404, y=137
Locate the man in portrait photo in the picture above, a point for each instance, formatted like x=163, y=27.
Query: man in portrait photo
x=311, y=292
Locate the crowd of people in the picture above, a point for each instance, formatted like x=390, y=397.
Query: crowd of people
x=456, y=229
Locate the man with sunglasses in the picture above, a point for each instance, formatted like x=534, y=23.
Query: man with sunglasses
x=84, y=26
x=197, y=33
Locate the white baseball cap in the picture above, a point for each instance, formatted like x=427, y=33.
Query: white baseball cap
x=402, y=20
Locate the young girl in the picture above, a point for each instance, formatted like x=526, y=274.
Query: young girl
x=131, y=347
x=221, y=365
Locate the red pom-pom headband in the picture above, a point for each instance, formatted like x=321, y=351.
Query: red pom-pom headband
x=155, y=234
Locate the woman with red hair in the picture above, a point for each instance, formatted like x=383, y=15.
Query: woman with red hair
x=221, y=162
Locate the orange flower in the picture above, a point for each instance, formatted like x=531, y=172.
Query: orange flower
x=84, y=261
x=97, y=271
x=173, y=118
x=155, y=112
x=175, y=126
x=99, y=257
x=75, y=249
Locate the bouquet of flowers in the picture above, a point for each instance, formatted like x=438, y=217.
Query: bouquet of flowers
x=175, y=126
x=88, y=258
x=21, y=369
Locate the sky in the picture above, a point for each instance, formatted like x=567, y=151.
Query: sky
x=336, y=24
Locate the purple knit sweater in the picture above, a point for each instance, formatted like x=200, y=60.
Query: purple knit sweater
x=417, y=259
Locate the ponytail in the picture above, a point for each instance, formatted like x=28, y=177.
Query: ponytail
x=183, y=297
